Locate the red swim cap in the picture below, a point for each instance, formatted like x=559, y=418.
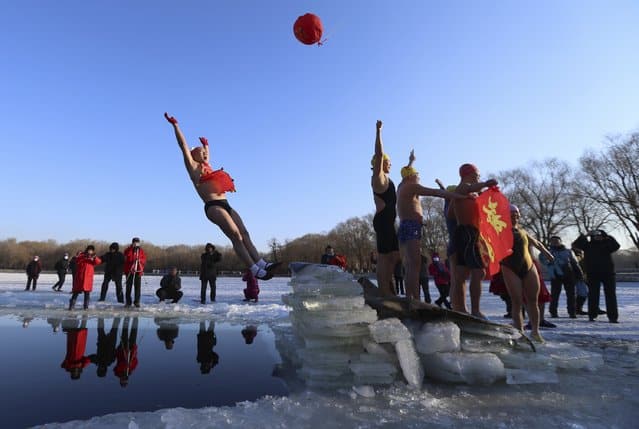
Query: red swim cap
x=467, y=169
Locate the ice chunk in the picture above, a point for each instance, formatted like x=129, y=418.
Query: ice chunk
x=380, y=349
x=365, y=391
x=470, y=368
x=349, y=288
x=567, y=356
x=331, y=319
x=527, y=376
x=303, y=272
x=479, y=344
x=438, y=337
x=410, y=363
x=389, y=331
x=321, y=302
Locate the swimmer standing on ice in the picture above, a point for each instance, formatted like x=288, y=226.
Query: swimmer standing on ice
x=212, y=186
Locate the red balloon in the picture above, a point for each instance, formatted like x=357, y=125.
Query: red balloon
x=308, y=29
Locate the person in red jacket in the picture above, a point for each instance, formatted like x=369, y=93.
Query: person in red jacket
x=441, y=275
x=75, y=360
x=83, y=277
x=134, y=261
x=127, y=352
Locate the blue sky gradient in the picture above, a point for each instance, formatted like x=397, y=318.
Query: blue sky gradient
x=87, y=153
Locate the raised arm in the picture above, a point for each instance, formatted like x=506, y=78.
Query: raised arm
x=411, y=158
x=186, y=152
x=431, y=192
x=378, y=161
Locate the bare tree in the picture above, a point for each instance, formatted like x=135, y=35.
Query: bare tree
x=586, y=213
x=613, y=180
x=542, y=193
x=354, y=238
x=435, y=235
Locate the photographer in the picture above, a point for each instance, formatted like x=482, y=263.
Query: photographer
x=134, y=261
x=598, y=248
x=208, y=271
x=170, y=286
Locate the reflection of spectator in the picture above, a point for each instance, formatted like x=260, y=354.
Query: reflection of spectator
x=600, y=269
x=441, y=276
x=75, y=360
x=113, y=270
x=252, y=288
x=206, y=340
x=34, y=267
x=208, y=271
x=55, y=324
x=134, y=261
x=61, y=267
x=167, y=332
x=170, y=286
x=249, y=333
x=105, y=354
x=398, y=273
x=127, y=352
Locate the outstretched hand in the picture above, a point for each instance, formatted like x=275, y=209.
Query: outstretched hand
x=171, y=119
x=411, y=157
x=440, y=184
x=491, y=182
x=204, y=141
x=379, y=125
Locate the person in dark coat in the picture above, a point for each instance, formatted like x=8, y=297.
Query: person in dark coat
x=206, y=340
x=105, y=354
x=113, y=270
x=170, y=286
x=61, y=267
x=208, y=271
x=134, y=261
x=564, y=271
x=34, y=267
x=600, y=269
x=83, y=278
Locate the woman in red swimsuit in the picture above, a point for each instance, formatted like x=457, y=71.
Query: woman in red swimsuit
x=212, y=185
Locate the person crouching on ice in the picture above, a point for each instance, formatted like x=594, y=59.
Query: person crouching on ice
x=212, y=187
x=252, y=288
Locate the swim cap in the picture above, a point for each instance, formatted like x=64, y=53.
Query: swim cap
x=467, y=169
x=384, y=157
x=408, y=171
x=451, y=188
x=514, y=208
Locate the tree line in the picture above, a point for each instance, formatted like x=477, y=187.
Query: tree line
x=554, y=199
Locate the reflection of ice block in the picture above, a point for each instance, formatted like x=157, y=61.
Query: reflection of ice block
x=304, y=272
x=470, y=368
x=320, y=303
x=330, y=342
x=523, y=376
x=437, y=337
x=389, y=331
x=373, y=369
x=410, y=363
x=383, y=350
x=567, y=356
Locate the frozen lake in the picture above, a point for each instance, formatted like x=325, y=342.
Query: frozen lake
x=605, y=398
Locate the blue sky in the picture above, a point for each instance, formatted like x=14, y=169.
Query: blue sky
x=87, y=154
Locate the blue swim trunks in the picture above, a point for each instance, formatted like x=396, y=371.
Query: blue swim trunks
x=409, y=229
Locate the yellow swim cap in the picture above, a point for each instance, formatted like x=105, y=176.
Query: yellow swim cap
x=451, y=188
x=408, y=171
x=384, y=156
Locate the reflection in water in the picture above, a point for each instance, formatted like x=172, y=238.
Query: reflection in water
x=26, y=321
x=249, y=333
x=206, y=340
x=105, y=354
x=55, y=323
x=127, y=352
x=75, y=360
x=167, y=332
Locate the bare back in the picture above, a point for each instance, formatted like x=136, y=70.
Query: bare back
x=379, y=184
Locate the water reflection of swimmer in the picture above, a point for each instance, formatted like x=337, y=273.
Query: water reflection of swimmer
x=127, y=352
x=206, y=340
x=249, y=333
x=167, y=332
x=105, y=354
x=55, y=323
x=75, y=360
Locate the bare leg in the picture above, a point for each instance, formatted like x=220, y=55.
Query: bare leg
x=221, y=218
x=458, y=292
x=531, y=291
x=248, y=243
x=385, y=266
x=476, y=276
x=514, y=286
x=412, y=263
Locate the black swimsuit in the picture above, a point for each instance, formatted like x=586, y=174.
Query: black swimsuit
x=221, y=203
x=384, y=221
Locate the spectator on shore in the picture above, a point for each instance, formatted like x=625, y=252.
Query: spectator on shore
x=61, y=267
x=34, y=267
x=208, y=271
x=113, y=270
x=398, y=273
x=134, y=261
x=170, y=286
